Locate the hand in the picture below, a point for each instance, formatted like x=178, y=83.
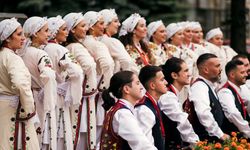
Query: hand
x=225, y=137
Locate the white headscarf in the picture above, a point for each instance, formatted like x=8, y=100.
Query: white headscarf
x=73, y=19
x=185, y=24
x=152, y=27
x=33, y=25
x=130, y=23
x=172, y=28
x=54, y=24
x=91, y=17
x=196, y=25
x=7, y=27
x=213, y=32
x=108, y=15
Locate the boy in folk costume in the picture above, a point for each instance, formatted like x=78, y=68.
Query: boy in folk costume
x=103, y=59
x=69, y=75
x=147, y=110
x=16, y=99
x=85, y=130
x=117, y=50
x=121, y=130
x=43, y=79
x=179, y=132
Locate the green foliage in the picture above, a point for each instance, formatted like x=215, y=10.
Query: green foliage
x=166, y=10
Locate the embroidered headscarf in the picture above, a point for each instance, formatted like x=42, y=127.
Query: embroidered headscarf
x=73, y=19
x=130, y=23
x=108, y=15
x=54, y=24
x=152, y=27
x=7, y=27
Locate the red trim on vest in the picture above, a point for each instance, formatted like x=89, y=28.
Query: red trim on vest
x=158, y=112
x=226, y=85
x=108, y=136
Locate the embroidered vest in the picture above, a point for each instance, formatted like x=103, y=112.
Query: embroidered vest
x=109, y=139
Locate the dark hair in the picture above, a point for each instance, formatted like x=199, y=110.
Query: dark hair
x=172, y=65
x=117, y=82
x=70, y=39
x=203, y=58
x=237, y=57
x=147, y=73
x=231, y=65
x=128, y=40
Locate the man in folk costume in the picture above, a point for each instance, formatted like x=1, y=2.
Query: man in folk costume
x=121, y=130
x=122, y=59
x=85, y=129
x=199, y=40
x=43, y=79
x=245, y=88
x=69, y=76
x=225, y=54
x=231, y=99
x=104, y=62
x=147, y=110
x=17, y=108
x=208, y=118
x=178, y=130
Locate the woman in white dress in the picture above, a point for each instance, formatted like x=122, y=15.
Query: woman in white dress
x=118, y=52
x=225, y=53
x=17, y=108
x=43, y=79
x=69, y=76
x=85, y=130
x=103, y=59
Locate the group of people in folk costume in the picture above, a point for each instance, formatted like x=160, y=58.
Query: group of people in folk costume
x=66, y=83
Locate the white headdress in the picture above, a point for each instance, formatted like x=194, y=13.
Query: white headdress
x=73, y=19
x=152, y=27
x=196, y=25
x=172, y=28
x=91, y=18
x=108, y=15
x=185, y=24
x=33, y=25
x=130, y=23
x=7, y=27
x=54, y=24
x=213, y=32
